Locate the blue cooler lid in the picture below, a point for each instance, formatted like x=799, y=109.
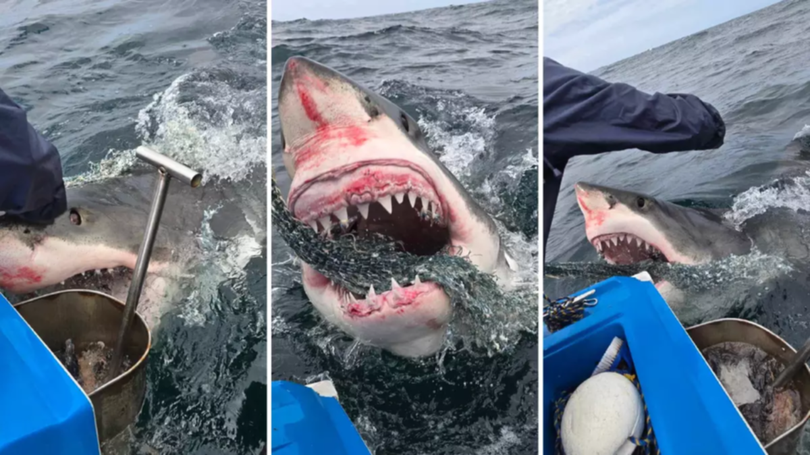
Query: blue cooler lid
x=307, y=423
x=689, y=409
x=43, y=410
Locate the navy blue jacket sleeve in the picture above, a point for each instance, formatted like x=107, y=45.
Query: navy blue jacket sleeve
x=584, y=115
x=31, y=184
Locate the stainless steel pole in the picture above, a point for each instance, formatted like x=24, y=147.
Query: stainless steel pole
x=793, y=366
x=167, y=168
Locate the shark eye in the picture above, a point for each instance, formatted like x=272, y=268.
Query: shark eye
x=404, y=119
x=641, y=202
x=75, y=218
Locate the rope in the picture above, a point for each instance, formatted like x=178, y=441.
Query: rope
x=647, y=440
x=563, y=312
x=559, y=407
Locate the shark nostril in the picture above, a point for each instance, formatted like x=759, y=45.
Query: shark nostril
x=404, y=119
x=75, y=218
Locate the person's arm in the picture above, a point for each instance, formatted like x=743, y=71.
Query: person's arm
x=31, y=184
x=584, y=115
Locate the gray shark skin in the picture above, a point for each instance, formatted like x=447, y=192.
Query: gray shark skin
x=360, y=164
x=94, y=245
x=627, y=227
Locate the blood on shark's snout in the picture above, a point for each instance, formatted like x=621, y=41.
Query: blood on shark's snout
x=326, y=142
x=593, y=217
x=360, y=164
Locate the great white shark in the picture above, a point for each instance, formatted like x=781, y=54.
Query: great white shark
x=627, y=227
x=764, y=243
x=94, y=244
x=361, y=164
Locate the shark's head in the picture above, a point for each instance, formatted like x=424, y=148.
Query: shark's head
x=93, y=245
x=627, y=227
x=360, y=164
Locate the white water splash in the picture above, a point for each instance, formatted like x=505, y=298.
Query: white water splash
x=803, y=134
x=115, y=163
x=459, y=150
x=527, y=160
x=222, y=260
x=505, y=443
x=212, y=130
x=792, y=194
x=204, y=133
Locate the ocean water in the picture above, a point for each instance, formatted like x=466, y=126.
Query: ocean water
x=753, y=69
x=468, y=74
x=189, y=78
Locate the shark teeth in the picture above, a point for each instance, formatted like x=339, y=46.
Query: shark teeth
x=428, y=210
x=363, y=209
x=623, y=244
x=343, y=217
x=386, y=203
x=326, y=222
x=371, y=302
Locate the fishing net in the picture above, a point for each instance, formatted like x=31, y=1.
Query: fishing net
x=754, y=267
x=483, y=313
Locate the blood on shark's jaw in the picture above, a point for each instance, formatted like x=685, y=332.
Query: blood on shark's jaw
x=400, y=203
x=409, y=320
x=625, y=248
x=391, y=199
x=359, y=166
x=622, y=235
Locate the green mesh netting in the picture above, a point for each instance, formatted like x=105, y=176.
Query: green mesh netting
x=483, y=314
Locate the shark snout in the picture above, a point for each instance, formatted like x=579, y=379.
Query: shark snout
x=319, y=109
x=314, y=98
x=591, y=198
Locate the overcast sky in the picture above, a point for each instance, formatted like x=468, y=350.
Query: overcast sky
x=287, y=10
x=588, y=34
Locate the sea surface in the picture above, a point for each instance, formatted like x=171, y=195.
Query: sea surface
x=99, y=78
x=468, y=74
x=753, y=69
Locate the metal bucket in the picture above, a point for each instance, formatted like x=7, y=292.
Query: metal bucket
x=88, y=317
x=739, y=330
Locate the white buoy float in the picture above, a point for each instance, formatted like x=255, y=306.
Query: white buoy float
x=601, y=415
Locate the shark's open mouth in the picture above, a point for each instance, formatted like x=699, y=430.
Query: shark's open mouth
x=103, y=280
x=393, y=201
x=623, y=248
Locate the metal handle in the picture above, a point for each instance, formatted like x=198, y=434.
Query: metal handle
x=793, y=366
x=172, y=167
x=167, y=168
